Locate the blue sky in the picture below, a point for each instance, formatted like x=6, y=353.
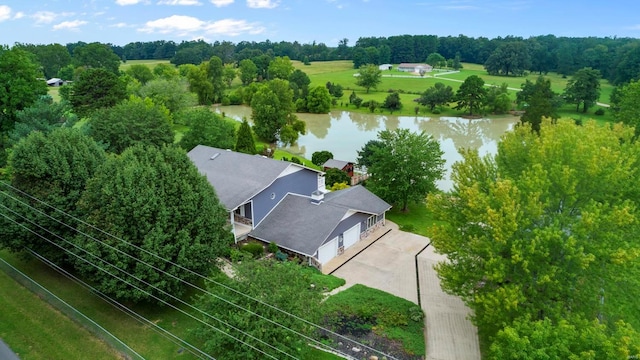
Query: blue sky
x=123, y=21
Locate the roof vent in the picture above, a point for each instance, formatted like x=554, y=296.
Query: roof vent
x=214, y=156
x=317, y=197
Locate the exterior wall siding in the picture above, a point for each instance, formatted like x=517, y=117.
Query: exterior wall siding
x=348, y=223
x=302, y=182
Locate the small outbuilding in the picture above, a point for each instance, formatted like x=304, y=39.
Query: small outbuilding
x=385, y=67
x=345, y=166
x=415, y=68
x=55, y=82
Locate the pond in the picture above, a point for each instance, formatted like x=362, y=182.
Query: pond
x=344, y=133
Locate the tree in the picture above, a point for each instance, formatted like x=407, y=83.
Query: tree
x=583, y=88
x=366, y=154
x=52, y=167
x=405, y=167
x=206, y=128
x=457, y=65
x=156, y=199
x=215, y=74
x=133, y=121
x=229, y=73
x=43, y=116
x=244, y=139
x=248, y=71
x=96, y=55
x=539, y=100
x=172, y=93
x=165, y=71
x=96, y=88
x=471, y=94
x=369, y=77
x=335, y=176
x=392, y=102
x=510, y=58
x=299, y=82
x=319, y=100
x=280, y=68
x=436, y=60
x=51, y=57
x=272, y=112
x=544, y=230
x=281, y=284
x=140, y=72
x=199, y=83
x=627, y=101
x=66, y=72
x=19, y=85
x=320, y=157
x=497, y=100
x=437, y=95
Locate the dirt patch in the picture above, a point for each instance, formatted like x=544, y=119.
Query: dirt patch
x=348, y=345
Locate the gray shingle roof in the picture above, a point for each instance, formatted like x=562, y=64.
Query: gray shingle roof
x=235, y=176
x=335, y=164
x=299, y=225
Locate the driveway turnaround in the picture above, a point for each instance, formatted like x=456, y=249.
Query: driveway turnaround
x=389, y=264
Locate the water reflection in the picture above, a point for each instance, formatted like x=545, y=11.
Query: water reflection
x=344, y=133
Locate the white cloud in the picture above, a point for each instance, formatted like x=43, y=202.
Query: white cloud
x=47, y=17
x=181, y=25
x=128, y=2
x=179, y=2
x=5, y=12
x=221, y=3
x=119, y=25
x=18, y=15
x=263, y=4
x=69, y=25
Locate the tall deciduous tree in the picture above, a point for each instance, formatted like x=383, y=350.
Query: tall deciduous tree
x=437, y=95
x=545, y=230
x=471, y=94
x=248, y=71
x=215, y=74
x=583, y=88
x=140, y=72
x=369, y=77
x=280, y=68
x=510, y=58
x=319, y=100
x=96, y=88
x=627, y=105
x=244, y=139
x=404, y=167
x=320, y=157
x=173, y=93
x=540, y=102
x=96, y=55
x=206, y=128
x=199, y=83
x=392, y=102
x=436, y=60
x=52, y=167
x=133, y=121
x=272, y=113
x=156, y=199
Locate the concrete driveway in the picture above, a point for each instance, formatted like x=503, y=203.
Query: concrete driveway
x=389, y=264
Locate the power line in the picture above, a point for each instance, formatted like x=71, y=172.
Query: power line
x=307, y=322
x=148, y=284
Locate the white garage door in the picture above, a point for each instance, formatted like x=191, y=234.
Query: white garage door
x=328, y=251
x=351, y=236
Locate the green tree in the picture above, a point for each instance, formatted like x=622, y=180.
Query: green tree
x=336, y=176
x=229, y=73
x=51, y=57
x=539, y=100
x=369, y=77
x=471, y=94
x=392, y=102
x=96, y=55
x=545, y=229
x=272, y=113
x=173, y=93
x=52, y=167
x=66, y=72
x=320, y=157
x=299, y=82
x=436, y=60
x=248, y=71
x=156, y=199
x=44, y=116
x=133, y=121
x=510, y=58
x=244, y=139
x=140, y=72
x=281, y=284
x=405, y=167
x=215, y=74
x=206, y=128
x=583, y=88
x=457, y=65
x=199, y=83
x=497, y=100
x=366, y=154
x=96, y=88
x=627, y=101
x=319, y=100
x=280, y=68
x=437, y=95
x=165, y=71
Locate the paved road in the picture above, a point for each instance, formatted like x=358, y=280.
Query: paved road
x=6, y=353
x=389, y=264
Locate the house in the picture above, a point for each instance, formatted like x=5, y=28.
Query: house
x=55, y=82
x=415, y=68
x=345, y=166
x=287, y=203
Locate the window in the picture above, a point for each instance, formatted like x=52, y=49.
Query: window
x=372, y=220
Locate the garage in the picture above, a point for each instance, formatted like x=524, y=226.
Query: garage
x=328, y=251
x=351, y=236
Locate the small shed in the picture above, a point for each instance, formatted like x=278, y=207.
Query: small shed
x=55, y=82
x=345, y=166
x=385, y=67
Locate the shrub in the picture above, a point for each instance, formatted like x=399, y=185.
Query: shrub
x=253, y=248
x=435, y=111
x=273, y=247
x=408, y=228
x=599, y=112
x=416, y=314
x=236, y=255
x=281, y=256
x=226, y=101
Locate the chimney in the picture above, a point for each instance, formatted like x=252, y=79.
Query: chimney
x=317, y=197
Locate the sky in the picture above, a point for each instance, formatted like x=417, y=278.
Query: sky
x=323, y=21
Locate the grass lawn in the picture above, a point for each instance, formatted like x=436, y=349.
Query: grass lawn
x=150, y=63
x=417, y=220
x=35, y=330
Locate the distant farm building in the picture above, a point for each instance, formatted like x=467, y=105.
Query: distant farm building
x=345, y=166
x=415, y=68
x=55, y=82
x=385, y=67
